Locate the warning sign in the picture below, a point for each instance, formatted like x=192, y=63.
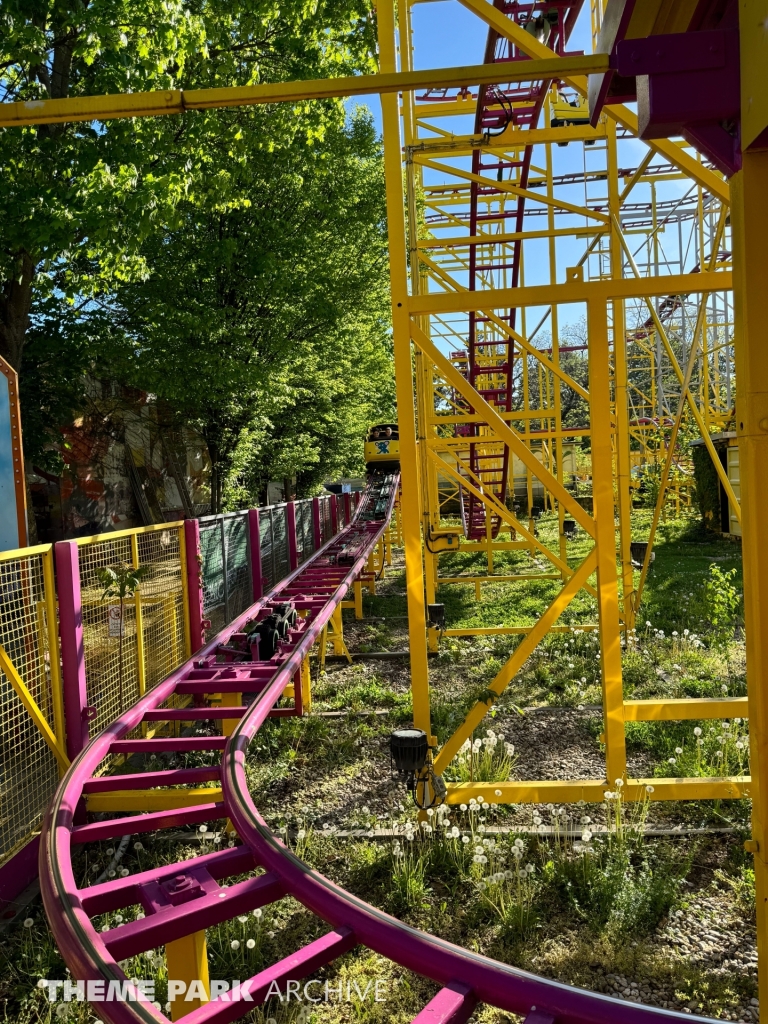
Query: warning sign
x=116, y=625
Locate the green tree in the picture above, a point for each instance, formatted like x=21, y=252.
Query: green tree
x=263, y=310
x=79, y=199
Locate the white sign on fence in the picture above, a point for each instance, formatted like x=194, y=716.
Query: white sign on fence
x=116, y=625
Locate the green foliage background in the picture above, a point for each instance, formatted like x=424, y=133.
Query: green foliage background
x=231, y=261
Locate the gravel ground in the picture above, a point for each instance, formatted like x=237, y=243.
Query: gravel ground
x=702, y=959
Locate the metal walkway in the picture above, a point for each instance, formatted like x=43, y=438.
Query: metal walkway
x=180, y=900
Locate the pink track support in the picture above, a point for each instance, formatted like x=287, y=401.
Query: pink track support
x=180, y=898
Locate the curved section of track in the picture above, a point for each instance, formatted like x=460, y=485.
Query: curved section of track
x=186, y=897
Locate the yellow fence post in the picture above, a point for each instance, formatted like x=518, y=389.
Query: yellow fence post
x=141, y=665
x=52, y=626
x=33, y=710
x=183, y=556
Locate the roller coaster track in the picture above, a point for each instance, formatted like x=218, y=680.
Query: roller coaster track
x=183, y=898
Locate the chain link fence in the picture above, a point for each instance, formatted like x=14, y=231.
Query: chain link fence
x=273, y=537
x=129, y=646
x=326, y=523
x=28, y=635
x=305, y=530
x=130, y=649
x=226, y=558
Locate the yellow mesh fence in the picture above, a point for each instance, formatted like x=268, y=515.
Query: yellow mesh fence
x=128, y=652
x=28, y=768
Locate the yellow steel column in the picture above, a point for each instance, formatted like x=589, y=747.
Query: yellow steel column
x=749, y=217
x=414, y=570
x=559, y=442
x=605, y=539
x=187, y=961
x=306, y=686
x=621, y=402
x=230, y=700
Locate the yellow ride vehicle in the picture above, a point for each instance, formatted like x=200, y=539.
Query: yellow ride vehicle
x=382, y=448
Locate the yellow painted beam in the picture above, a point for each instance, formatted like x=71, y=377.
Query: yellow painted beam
x=593, y=790
x=13, y=553
x=99, y=538
x=151, y=799
x=513, y=665
x=571, y=291
x=176, y=101
x=685, y=709
x=452, y=108
x=32, y=708
x=513, y=630
x=511, y=189
x=459, y=242
x=499, y=578
x=496, y=507
x=451, y=376
x=536, y=792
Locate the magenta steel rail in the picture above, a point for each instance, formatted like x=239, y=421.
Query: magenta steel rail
x=183, y=898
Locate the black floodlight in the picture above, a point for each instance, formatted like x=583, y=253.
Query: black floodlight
x=409, y=749
x=436, y=614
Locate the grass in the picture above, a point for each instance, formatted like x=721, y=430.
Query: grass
x=583, y=908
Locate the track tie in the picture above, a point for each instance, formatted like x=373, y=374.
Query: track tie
x=169, y=745
x=149, y=780
x=298, y=965
x=147, y=822
x=539, y=1017
x=193, y=714
x=124, y=892
x=453, y=1004
x=187, y=902
x=243, y=672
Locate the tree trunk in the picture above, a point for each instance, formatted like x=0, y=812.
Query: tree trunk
x=16, y=290
x=15, y=304
x=214, y=487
